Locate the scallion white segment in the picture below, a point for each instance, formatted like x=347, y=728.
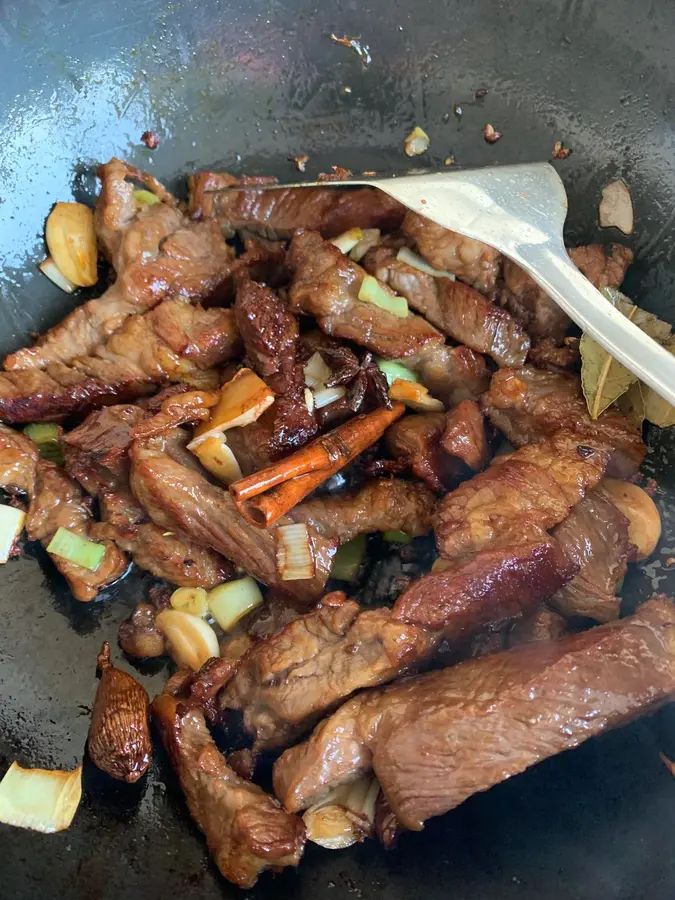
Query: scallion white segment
x=347, y=240
x=76, y=549
x=329, y=395
x=393, y=370
x=11, y=525
x=295, y=559
x=230, y=602
x=39, y=799
x=405, y=255
x=371, y=291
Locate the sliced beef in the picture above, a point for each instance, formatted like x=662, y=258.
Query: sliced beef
x=173, y=342
x=528, y=405
x=18, y=462
x=546, y=354
x=452, y=374
x=453, y=307
x=279, y=213
x=469, y=260
x=58, y=503
x=437, y=739
x=520, y=494
x=487, y=589
x=595, y=537
x=382, y=504
x=543, y=625
x=538, y=313
x=466, y=437
x=246, y=830
x=178, y=498
x=156, y=252
x=287, y=681
x=326, y=285
x=416, y=439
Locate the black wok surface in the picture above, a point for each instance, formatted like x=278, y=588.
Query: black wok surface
x=245, y=85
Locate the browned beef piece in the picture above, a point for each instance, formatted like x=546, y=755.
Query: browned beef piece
x=465, y=436
x=58, y=503
x=387, y=827
x=178, y=498
x=287, y=681
x=546, y=354
x=279, y=213
x=524, y=492
x=540, y=315
x=139, y=636
x=436, y=739
x=417, y=438
x=454, y=307
x=543, y=625
x=595, y=537
x=382, y=504
x=157, y=253
x=452, y=374
x=326, y=285
x=246, y=830
x=528, y=405
x=487, y=589
x=96, y=456
x=469, y=260
x=265, y=261
x=18, y=461
x=173, y=342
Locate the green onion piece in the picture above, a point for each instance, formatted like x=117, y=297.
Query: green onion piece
x=393, y=370
x=47, y=437
x=371, y=291
x=396, y=537
x=76, y=549
x=145, y=198
x=347, y=561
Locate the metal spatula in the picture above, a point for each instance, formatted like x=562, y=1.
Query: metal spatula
x=521, y=210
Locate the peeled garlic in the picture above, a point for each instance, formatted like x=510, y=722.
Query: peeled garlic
x=71, y=239
x=191, y=640
x=190, y=600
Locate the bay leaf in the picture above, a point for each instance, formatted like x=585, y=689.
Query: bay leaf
x=632, y=405
x=657, y=410
x=603, y=379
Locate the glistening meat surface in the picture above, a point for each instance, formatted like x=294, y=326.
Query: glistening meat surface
x=436, y=739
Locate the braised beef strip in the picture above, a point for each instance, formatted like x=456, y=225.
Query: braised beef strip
x=543, y=625
x=416, y=439
x=18, y=462
x=452, y=374
x=468, y=436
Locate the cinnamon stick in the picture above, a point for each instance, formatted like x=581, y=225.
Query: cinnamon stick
x=266, y=495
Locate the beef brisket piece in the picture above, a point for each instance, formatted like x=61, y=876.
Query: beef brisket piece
x=454, y=307
x=173, y=342
x=595, y=537
x=279, y=213
x=437, y=739
x=525, y=492
x=58, y=503
x=157, y=253
x=452, y=374
x=246, y=830
x=466, y=435
x=528, y=405
x=18, y=462
x=539, y=314
x=417, y=439
x=287, y=681
x=178, y=498
x=326, y=285
x=381, y=504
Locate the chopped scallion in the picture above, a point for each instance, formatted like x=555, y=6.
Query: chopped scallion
x=76, y=549
x=145, y=198
x=393, y=370
x=47, y=437
x=371, y=291
x=348, y=559
x=396, y=537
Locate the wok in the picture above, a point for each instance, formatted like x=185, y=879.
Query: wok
x=245, y=85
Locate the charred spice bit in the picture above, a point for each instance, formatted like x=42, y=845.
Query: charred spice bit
x=369, y=173
x=338, y=174
x=150, y=139
x=449, y=161
x=457, y=111
x=480, y=94
x=491, y=136
x=560, y=151
x=361, y=50
x=300, y=161
x=584, y=451
x=363, y=377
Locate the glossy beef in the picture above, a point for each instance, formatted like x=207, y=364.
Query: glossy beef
x=279, y=213
x=595, y=537
x=452, y=374
x=436, y=739
x=287, y=681
x=416, y=440
x=527, y=405
x=544, y=624
x=466, y=435
x=326, y=285
x=527, y=491
x=245, y=829
x=453, y=307
x=18, y=462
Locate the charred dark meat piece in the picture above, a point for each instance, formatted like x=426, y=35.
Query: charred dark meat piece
x=436, y=739
x=157, y=253
x=521, y=494
x=381, y=504
x=173, y=342
x=595, y=537
x=179, y=498
x=326, y=285
x=278, y=214
x=287, y=681
x=528, y=405
x=455, y=308
x=246, y=830
x=473, y=262
x=119, y=735
x=466, y=435
x=417, y=439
